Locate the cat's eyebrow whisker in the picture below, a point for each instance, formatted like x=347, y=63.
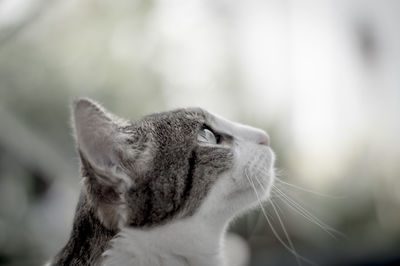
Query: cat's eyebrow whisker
x=306, y=214
x=290, y=249
x=308, y=190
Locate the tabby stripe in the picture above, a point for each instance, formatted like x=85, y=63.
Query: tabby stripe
x=189, y=178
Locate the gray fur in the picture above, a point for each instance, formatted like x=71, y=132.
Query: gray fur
x=169, y=174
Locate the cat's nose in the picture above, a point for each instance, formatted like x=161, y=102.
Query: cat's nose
x=263, y=138
x=255, y=135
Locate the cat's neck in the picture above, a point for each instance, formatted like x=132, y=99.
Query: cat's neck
x=88, y=240
x=181, y=243
x=188, y=241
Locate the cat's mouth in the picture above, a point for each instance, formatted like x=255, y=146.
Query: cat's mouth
x=259, y=172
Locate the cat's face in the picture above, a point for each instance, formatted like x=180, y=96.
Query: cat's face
x=169, y=165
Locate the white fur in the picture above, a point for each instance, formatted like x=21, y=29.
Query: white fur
x=197, y=240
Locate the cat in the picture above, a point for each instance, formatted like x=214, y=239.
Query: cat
x=161, y=191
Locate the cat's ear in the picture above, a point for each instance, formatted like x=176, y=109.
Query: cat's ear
x=101, y=144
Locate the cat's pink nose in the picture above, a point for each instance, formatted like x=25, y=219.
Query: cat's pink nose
x=263, y=139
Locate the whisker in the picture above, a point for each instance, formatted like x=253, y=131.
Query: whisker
x=252, y=230
x=276, y=205
x=308, y=190
x=303, y=212
x=306, y=214
x=290, y=249
x=280, y=221
x=300, y=212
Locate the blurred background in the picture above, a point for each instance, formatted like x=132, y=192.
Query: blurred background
x=322, y=77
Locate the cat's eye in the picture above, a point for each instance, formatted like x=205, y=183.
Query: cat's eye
x=207, y=136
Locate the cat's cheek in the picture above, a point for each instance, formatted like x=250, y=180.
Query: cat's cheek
x=253, y=171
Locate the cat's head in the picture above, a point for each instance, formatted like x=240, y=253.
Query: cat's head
x=171, y=165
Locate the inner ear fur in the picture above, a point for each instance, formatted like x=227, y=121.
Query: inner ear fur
x=100, y=141
x=103, y=152
x=105, y=197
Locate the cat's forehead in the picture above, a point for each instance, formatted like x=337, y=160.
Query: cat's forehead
x=191, y=115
